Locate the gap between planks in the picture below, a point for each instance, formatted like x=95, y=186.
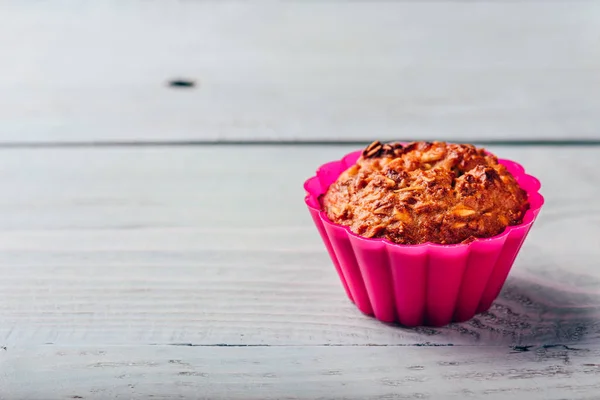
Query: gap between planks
x=292, y=142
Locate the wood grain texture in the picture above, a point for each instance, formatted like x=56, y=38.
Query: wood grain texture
x=463, y=70
x=170, y=372
x=213, y=245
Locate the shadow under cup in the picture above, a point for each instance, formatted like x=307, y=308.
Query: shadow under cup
x=420, y=285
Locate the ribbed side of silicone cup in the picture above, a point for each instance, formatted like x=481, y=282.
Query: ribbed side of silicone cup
x=426, y=284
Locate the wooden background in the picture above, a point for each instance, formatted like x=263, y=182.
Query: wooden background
x=154, y=242
x=299, y=70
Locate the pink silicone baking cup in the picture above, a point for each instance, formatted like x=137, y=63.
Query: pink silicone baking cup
x=420, y=285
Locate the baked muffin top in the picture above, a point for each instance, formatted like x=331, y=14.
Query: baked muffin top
x=425, y=192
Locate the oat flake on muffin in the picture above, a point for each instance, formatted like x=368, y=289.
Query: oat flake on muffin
x=426, y=192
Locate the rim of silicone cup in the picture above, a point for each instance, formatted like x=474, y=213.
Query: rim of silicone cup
x=529, y=183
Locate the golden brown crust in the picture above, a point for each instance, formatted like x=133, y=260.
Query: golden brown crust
x=426, y=192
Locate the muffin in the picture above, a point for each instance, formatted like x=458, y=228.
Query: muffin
x=426, y=192
x=422, y=233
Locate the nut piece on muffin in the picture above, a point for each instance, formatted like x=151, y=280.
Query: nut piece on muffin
x=426, y=192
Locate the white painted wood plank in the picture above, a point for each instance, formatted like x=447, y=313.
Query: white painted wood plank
x=96, y=71
x=170, y=372
x=210, y=245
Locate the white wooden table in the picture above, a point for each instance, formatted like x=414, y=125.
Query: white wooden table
x=142, y=256
x=196, y=271
x=299, y=70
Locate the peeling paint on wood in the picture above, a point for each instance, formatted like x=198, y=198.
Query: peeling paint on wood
x=490, y=372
